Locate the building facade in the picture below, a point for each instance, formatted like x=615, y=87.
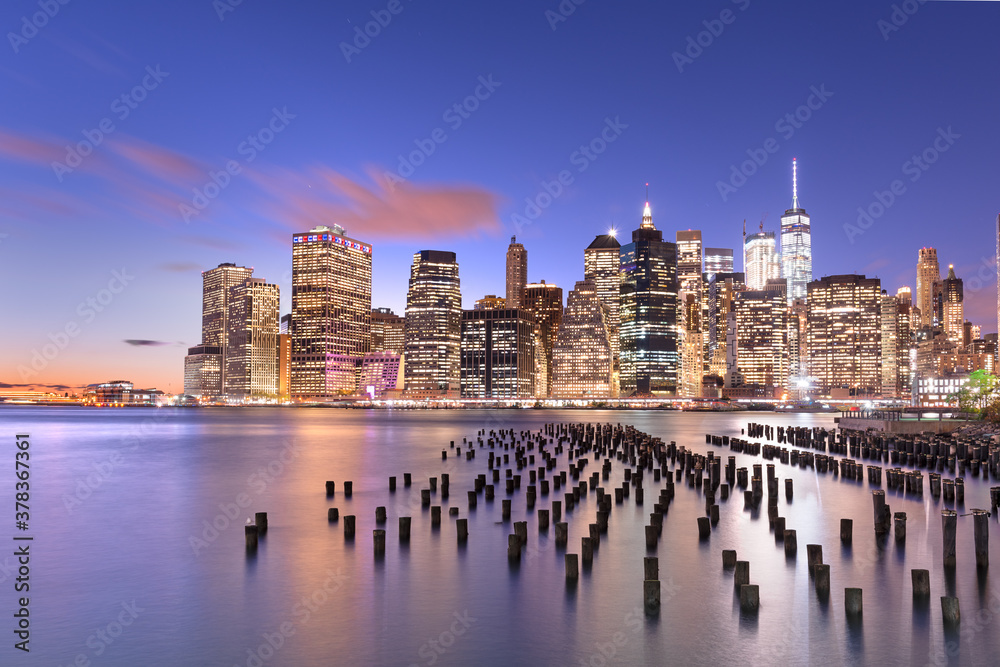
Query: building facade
x=762, y=354
x=845, y=335
x=498, y=354
x=545, y=302
x=650, y=362
x=331, y=311
x=216, y=286
x=718, y=260
x=388, y=331
x=761, y=259
x=581, y=357
x=928, y=279
x=432, y=351
x=203, y=371
x=252, y=322
x=517, y=272
x=602, y=265
x=953, y=307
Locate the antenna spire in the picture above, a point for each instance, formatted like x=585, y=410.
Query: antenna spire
x=795, y=184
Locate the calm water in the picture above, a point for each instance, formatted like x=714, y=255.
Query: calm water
x=120, y=500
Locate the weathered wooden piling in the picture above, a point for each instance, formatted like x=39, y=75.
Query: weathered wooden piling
x=332, y=514
x=791, y=543
x=514, y=547
x=814, y=556
x=742, y=574
x=392, y=484
x=462, y=528
x=408, y=479
x=331, y=487
x=572, y=566
x=883, y=513
x=950, y=610
x=348, y=489
x=921, y=583
x=651, y=594
x=821, y=575
x=981, y=529
x=728, y=558
x=586, y=551
x=650, y=568
x=436, y=515
x=473, y=499
x=379, y=514
x=349, y=526
x=704, y=527
x=505, y=509
x=749, y=597
x=260, y=520
x=378, y=540
x=949, y=528
x=846, y=531
x=562, y=533
x=543, y=520
x=521, y=530
x=853, y=601
x=900, y=522
x=652, y=536
x=779, y=529
x=404, y=529
x=788, y=488
x=713, y=514
x=250, y=533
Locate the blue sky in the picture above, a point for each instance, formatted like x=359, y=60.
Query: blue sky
x=288, y=121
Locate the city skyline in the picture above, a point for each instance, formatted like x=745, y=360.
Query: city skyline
x=118, y=209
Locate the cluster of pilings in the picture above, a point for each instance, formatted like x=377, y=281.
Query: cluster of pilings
x=255, y=530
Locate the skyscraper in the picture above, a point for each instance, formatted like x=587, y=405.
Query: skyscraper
x=796, y=244
x=498, y=353
x=387, y=331
x=649, y=333
x=581, y=357
x=953, y=309
x=331, y=311
x=762, y=336
x=216, y=284
x=895, y=345
x=760, y=259
x=252, y=322
x=845, y=335
x=432, y=352
x=545, y=303
x=517, y=272
x=691, y=339
x=602, y=264
x=718, y=260
x=491, y=302
x=928, y=275
x=722, y=291
x=203, y=371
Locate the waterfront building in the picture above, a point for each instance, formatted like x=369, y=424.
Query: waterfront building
x=331, y=311
x=928, y=283
x=545, y=302
x=796, y=244
x=845, y=335
x=517, y=272
x=722, y=291
x=216, y=286
x=388, y=331
x=602, y=264
x=252, y=322
x=498, y=353
x=762, y=336
x=490, y=302
x=952, y=308
x=761, y=259
x=379, y=373
x=432, y=351
x=896, y=310
x=649, y=308
x=581, y=357
x=203, y=371
x=718, y=260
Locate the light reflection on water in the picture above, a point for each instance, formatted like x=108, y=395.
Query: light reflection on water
x=434, y=601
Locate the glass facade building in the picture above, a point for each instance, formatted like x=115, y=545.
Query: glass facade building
x=581, y=357
x=796, y=245
x=433, y=334
x=498, y=354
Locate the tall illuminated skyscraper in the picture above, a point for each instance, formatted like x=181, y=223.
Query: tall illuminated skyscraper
x=517, y=272
x=895, y=345
x=761, y=259
x=762, y=335
x=581, y=357
x=718, y=260
x=691, y=340
x=252, y=321
x=331, y=311
x=928, y=277
x=498, y=353
x=602, y=264
x=432, y=353
x=796, y=244
x=953, y=309
x=722, y=291
x=216, y=284
x=649, y=329
x=845, y=335
x=387, y=331
x=545, y=303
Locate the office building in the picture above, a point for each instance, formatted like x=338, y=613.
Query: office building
x=796, y=244
x=216, y=286
x=762, y=337
x=649, y=309
x=490, y=302
x=581, y=357
x=379, y=373
x=722, y=291
x=761, y=259
x=545, y=303
x=718, y=260
x=387, y=331
x=498, y=354
x=602, y=264
x=928, y=279
x=331, y=311
x=517, y=272
x=432, y=351
x=203, y=371
x=252, y=322
x=953, y=308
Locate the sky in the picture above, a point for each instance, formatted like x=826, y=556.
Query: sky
x=142, y=143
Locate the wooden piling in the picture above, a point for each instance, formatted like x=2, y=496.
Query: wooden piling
x=348, y=489
x=950, y=611
x=462, y=528
x=749, y=597
x=562, y=533
x=514, y=547
x=652, y=537
x=380, y=514
x=587, y=551
x=250, y=532
x=846, y=531
x=704, y=527
x=572, y=566
x=821, y=575
x=900, y=521
x=260, y=520
x=853, y=601
x=349, y=526
x=651, y=595
x=521, y=530
x=505, y=509
x=791, y=543
x=921, y=583
x=728, y=558
x=332, y=514
x=742, y=574
x=378, y=540
x=949, y=528
x=404, y=529
x=436, y=515
x=543, y=520
x=788, y=488
x=981, y=528
x=651, y=568
x=330, y=488
x=814, y=556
